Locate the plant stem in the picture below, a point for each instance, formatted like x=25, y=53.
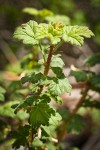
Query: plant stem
x=46, y=70
x=60, y=137
x=47, y=65
x=57, y=46
x=81, y=100
x=42, y=52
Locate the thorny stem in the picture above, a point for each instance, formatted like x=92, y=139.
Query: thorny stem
x=46, y=71
x=47, y=67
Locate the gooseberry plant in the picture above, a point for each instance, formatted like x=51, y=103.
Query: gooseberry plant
x=36, y=133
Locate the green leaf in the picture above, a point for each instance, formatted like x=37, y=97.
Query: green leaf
x=36, y=77
x=41, y=114
x=95, y=82
x=30, y=99
x=27, y=33
x=91, y=103
x=32, y=77
x=42, y=13
x=2, y=97
x=50, y=146
x=51, y=32
x=59, y=86
x=6, y=110
x=44, y=98
x=20, y=106
x=31, y=11
x=53, y=123
x=64, y=113
x=59, y=72
x=37, y=142
x=2, y=90
x=75, y=34
x=45, y=12
x=76, y=124
x=25, y=79
x=56, y=98
x=58, y=18
x=56, y=61
x=54, y=120
x=80, y=75
x=93, y=60
x=20, y=136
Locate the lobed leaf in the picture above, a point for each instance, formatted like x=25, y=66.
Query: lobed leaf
x=75, y=34
x=56, y=61
x=59, y=86
x=41, y=114
x=58, y=18
x=27, y=33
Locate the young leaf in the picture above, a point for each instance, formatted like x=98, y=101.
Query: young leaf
x=31, y=11
x=27, y=32
x=41, y=114
x=75, y=34
x=59, y=86
x=58, y=18
x=56, y=61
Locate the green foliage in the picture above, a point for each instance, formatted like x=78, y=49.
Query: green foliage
x=35, y=12
x=27, y=33
x=58, y=18
x=6, y=109
x=20, y=136
x=76, y=124
x=37, y=143
x=30, y=105
x=80, y=75
x=91, y=103
x=47, y=37
x=40, y=114
x=95, y=82
x=93, y=60
x=59, y=86
x=56, y=61
x=31, y=33
x=2, y=92
x=75, y=34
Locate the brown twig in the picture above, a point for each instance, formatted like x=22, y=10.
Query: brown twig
x=79, y=104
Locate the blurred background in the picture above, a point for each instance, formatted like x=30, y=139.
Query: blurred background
x=80, y=12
